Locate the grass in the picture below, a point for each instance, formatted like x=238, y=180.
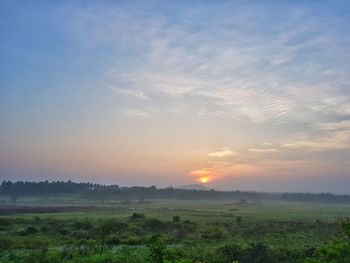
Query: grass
x=210, y=224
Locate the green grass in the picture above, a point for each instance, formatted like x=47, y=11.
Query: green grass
x=205, y=210
x=206, y=224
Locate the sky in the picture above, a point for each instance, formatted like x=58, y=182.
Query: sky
x=250, y=95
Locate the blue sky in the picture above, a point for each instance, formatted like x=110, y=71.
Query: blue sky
x=252, y=95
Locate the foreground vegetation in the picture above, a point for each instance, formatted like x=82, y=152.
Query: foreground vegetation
x=176, y=231
x=70, y=227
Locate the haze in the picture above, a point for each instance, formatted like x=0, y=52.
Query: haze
x=234, y=94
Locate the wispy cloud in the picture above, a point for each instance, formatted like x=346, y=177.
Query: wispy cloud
x=263, y=150
x=249, y=75
x=243, y=76
x=222, y=153
x=132, y=113
x=287, y=74
x=328, y=136
x=132, y=93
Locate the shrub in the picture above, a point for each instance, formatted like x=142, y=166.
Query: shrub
x=6, y=221
x=182, y=230
x=157, y=248
x=259, y=253
x=154, y=223
x=113, y=240
x=133, y=240
x=231, y=252
x=83, y=225
x=211, y=233
x=6, y=243
x=137, y=216
x=175, y=254
x=334, y=252
x=35, y=243
x=28, y=231
x=176, y=218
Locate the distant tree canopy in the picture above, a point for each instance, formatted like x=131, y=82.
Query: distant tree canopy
x=21, y=188
x=98, y=191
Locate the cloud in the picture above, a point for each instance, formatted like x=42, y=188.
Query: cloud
x=133, y=93
x=132, y=113
x=239, y=78
x=200, y=172
x=222, y=153
x=263, y=150
x=276, y=76
x=294, y=72
x=328, y=136
x=335, y=126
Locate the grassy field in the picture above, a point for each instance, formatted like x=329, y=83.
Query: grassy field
x=76, y=230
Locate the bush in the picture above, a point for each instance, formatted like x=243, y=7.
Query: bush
x=176, y=254
x=28, y=231
x=6, y=243
x=6, y=221
x=35, y=243
x=231, y=252
x=334, y=252
x=212, y=233
x=134, y=240
x=157, y=248
x=137, y=216
x=182, y=230
x=83, y=225
x=176, y=219
x=154, y=223
x=259, y=253
x=113, y=240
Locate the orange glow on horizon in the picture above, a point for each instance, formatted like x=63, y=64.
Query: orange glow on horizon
x=204, y=179
x=202, y=175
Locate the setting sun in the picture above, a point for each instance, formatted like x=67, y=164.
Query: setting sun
x=204, y=179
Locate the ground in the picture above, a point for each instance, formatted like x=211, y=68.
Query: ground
x=70, y=229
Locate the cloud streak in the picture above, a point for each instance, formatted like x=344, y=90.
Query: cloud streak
x=222, y=153
x=133, y=113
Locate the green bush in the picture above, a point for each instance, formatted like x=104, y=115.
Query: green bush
x=212, y=233
x=6, y=243
x=6, y=221
x=36, y=242
x=157, y=246
x=231, y=252
x=28, y=231
x=137, y=216
x=176, y=218
x=259, y=253
x=334, y=252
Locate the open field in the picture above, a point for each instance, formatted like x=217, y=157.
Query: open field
x=70, y=229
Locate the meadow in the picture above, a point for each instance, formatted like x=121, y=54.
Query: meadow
x=73, y=229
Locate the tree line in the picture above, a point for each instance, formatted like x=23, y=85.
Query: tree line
x=141, y=193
